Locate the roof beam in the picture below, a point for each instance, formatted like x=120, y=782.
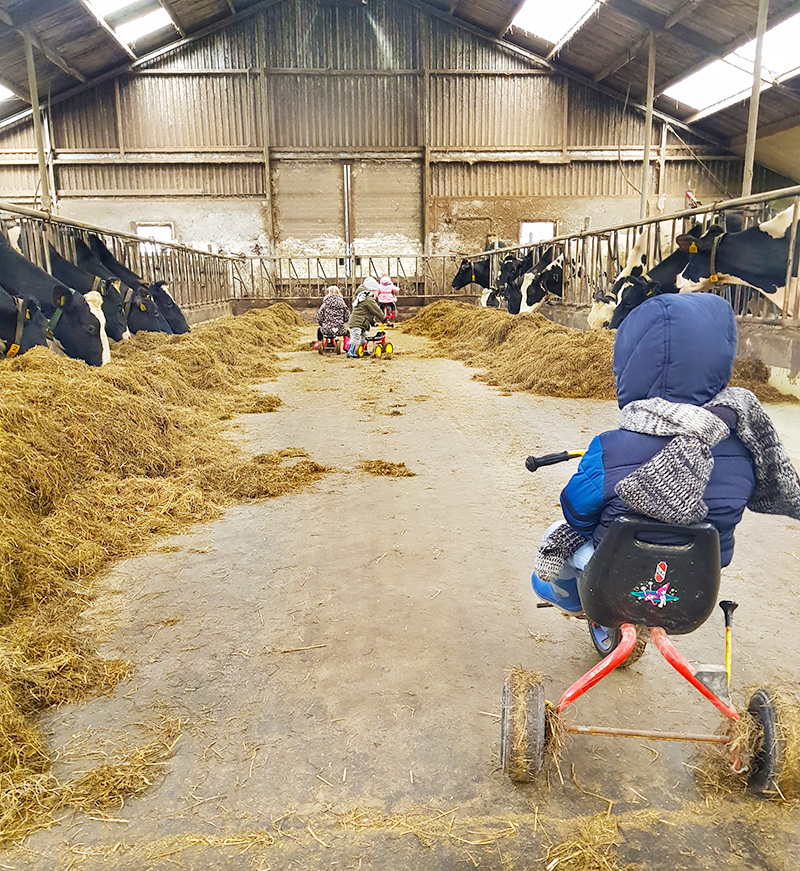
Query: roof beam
x=45, y=48
x=167, y=4
x=627, y=56
x=230, y=6
x=656, y=22
x=109, y=30
x=510, y=17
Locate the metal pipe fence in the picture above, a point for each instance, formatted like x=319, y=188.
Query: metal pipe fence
x=195, y=278
x=593, y=258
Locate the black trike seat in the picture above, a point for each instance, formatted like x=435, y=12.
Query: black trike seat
x=653, y=574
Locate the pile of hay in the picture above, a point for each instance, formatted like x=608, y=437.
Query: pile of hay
x=531, y=353
x=389, y=470
x=93, y=464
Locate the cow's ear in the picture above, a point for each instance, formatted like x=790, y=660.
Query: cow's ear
x=689, y=243
x=62, y=296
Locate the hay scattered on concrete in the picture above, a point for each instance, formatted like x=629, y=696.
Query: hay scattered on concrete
x=93, y=464
x=532, y=354
x=594, y=850
x=389, y=470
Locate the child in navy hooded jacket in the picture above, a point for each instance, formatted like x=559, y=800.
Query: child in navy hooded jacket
x=679, y=347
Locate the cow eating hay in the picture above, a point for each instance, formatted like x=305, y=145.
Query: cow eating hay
x=93, y=464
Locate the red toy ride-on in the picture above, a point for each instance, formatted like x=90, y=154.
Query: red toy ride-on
x=645, y=579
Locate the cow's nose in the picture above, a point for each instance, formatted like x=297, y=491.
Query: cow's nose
x=606, y=324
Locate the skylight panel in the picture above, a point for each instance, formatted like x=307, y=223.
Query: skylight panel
x=730, y=79
x=109, y=7
x=5, y=93
x=555, y=21
x=144, y=26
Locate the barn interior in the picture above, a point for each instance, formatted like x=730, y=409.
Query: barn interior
x=258, y=601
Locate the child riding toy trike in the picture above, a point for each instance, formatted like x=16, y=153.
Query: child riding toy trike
x=645, y=579
x=331, y=343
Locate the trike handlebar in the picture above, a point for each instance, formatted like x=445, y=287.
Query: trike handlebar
x=534, y=463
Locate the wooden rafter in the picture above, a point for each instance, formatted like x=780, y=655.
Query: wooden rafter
x=109, y=30
x=45, y=48
x=506, y=22
x=167, y=4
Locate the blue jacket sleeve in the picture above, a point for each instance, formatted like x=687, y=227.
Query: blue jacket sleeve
x=582, y=499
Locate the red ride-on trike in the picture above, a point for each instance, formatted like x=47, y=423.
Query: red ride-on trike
x=645, y=579
x=380, y=345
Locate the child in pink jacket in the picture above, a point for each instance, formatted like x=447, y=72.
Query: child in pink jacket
x=387, y=298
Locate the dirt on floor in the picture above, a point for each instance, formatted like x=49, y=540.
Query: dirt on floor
x=335, y=658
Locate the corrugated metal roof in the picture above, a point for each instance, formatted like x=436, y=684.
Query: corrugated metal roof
x=608, y=52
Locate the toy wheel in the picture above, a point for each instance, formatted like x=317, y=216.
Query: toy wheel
x=360, y=351
x=522, y=728
x=388, y=349
x=339, y=344
x=606, y=638
x=378, y=350
x=768, y=759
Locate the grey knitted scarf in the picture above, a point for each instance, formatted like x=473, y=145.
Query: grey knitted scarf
x=670, y=486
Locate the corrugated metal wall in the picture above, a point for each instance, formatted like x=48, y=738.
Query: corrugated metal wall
x=340, y=83
x=309, y=200
x=386, y=199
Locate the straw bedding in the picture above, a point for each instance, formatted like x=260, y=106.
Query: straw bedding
x=530, y=353
x=93, y=464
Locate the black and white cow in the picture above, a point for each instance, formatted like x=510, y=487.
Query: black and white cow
x=22, y=324
x=76, y=328
x=636, y=283
x=113, y=303
x=142, y=312
x=526, y=285
x=470, y=272
x=159, y=290
x=757, y=257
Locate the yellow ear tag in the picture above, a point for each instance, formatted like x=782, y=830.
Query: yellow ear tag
x=693, y=248
x=27, y=316
x=142, y=307
x=714, y=278
x=13, y=350
x=62, y=301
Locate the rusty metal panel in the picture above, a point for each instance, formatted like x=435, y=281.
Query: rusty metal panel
x=714, y=178
x=309, y=200
x=87, y=121
x=387, y=198
x=379, y=36
x=357, y=111
x=233, y=47
x=456, y=49
x=162, y=179
x=204, y=111
x=595, y=119
x=487, y=111
x=16, y=180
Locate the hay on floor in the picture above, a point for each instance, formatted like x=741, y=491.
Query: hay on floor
x=388, y=470
x=94, y=462
x=530, y=353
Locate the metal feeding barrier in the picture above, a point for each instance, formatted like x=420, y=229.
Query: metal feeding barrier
x=593, y=258
x=196, y=278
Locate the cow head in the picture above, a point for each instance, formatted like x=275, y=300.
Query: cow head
x=76, y=327
x=114, y=310
x=95, y=302
x=26, y=311
x=159, y=291
x=603, y=305
x=698, y=271
x=464, y=276
x=144, y=315
x=634, y=291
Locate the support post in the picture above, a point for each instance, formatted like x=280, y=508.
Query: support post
x=424, y=121
x=755, y=94
x=265, y=129
x=37, y=127
x=648, y=121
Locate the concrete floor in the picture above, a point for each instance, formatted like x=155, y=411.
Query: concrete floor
x=412, y=596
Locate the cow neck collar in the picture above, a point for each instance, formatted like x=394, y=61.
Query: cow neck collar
x=127, y=301
x=714, y=276
x=55, y=318
x=22, y=314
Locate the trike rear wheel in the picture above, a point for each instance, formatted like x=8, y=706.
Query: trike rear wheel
x=768, y=759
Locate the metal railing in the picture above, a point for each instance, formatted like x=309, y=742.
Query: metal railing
x=593, y=258
x=303, y=279
x=196, y=278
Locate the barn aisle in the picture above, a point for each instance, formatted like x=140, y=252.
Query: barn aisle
x=336, y=656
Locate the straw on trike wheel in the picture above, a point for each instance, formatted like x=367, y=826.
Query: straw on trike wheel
x=607, y=638
x=766, y=768
x=522, y=725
